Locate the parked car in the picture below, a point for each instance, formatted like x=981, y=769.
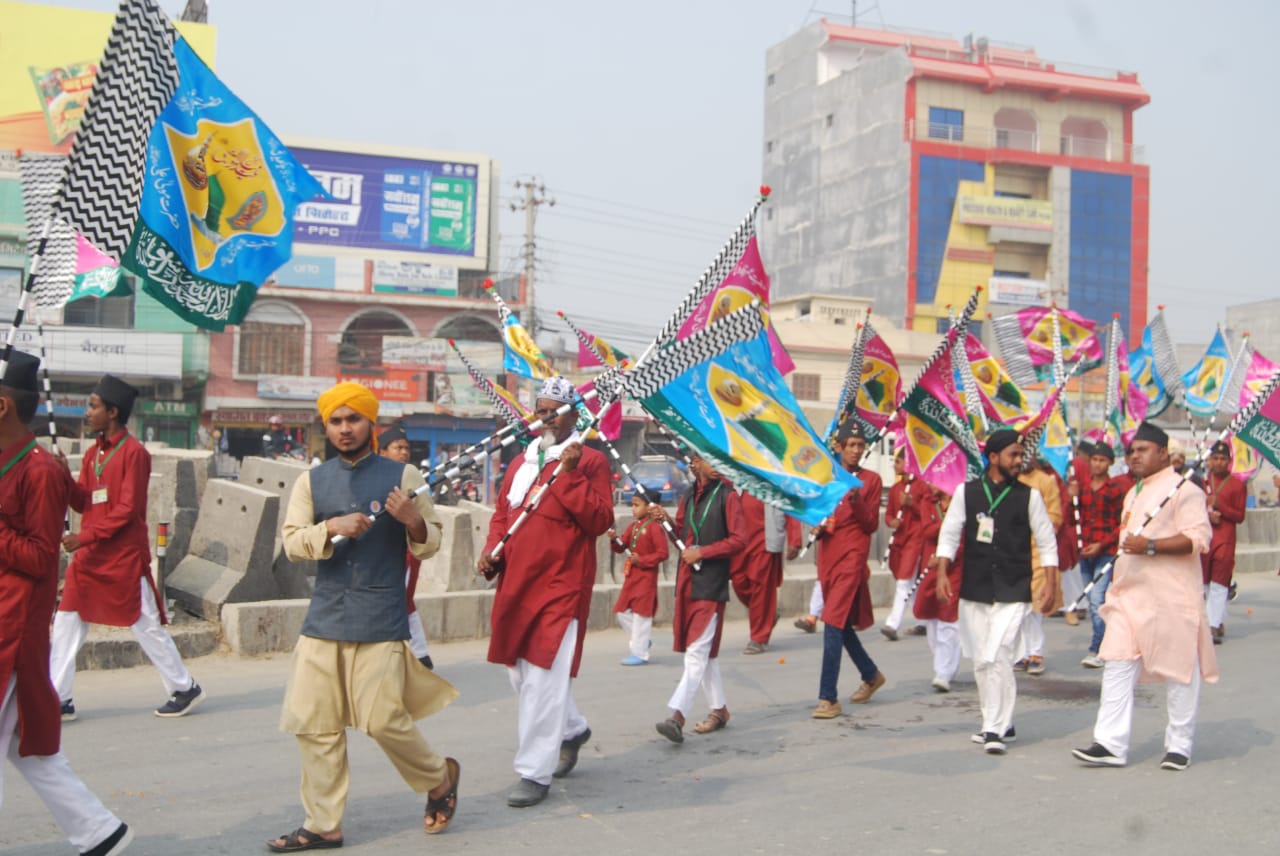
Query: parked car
x=659, y=474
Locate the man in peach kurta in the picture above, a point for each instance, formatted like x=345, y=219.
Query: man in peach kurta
x=1157, y=629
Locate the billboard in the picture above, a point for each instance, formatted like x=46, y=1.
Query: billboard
x=395, y=200
x=48, y=65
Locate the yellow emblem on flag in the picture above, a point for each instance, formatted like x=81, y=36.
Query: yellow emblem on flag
x=226, y=185
x=762, y=433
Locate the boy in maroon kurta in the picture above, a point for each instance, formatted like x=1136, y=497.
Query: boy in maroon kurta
x=109, y=578
x=646, y=542
x=546, y=572
x=709, y=522
x=1225, y=496
x=844, y=545
x=33, y=502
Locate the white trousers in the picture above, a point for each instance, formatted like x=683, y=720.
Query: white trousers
x=417, y=636
x=944, y=642
x=547, y=713
x=815, y=600
x=79, y=814
x=1072, y=586
x=992, y=630
x=700, y=670
x=900, y=590
x=1033, y=633
x=638, y=628
x=1115, y=710
x=69, y=633
x=1216, y=603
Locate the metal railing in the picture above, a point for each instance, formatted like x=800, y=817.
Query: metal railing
x=1019, y=139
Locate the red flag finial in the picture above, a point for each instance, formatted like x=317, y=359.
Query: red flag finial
x=1160, y=307
x=453, y=344
x=979, y=289
x=1115, y=314
x=989, y=315
x=560, y=313
x=1245, y=334
x=487, y=284
x=765, y=190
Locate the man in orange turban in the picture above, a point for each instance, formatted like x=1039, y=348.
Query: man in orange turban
x=354, y=395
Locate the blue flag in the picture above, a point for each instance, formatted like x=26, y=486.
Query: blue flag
x=1206, y=379
x=737, y=412
x=218, y=198
x=1142, y=371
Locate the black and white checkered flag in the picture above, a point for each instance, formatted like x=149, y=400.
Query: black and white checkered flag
x=1013, y=347
x=55, y=278
x=742, y=325
x=136, y=78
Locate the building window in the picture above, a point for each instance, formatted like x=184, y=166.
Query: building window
x=273, y=339
x=769, y=80
x=807, y=387
x=946, y=124
x=831, y=119
x=768, y=147
x=362, y=339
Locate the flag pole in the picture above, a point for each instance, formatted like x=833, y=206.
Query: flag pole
x=28, y=292
x=1244, y=415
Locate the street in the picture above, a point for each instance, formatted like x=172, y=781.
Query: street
x=896, y=776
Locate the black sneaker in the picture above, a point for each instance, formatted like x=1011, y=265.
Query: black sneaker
x=1174, y=761
x=1010, y=736
x=992, y=744
x=569, y=754
x=1097, y=756
x=114, y=843
x=426, y=661
x=1232, y=592
x=68, y=711
x=181, y=703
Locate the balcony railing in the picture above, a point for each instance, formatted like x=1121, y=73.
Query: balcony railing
x=1018, y=139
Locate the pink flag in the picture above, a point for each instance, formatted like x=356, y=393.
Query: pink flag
x=610, y=424
x=940, y=446
x=746, y=282
x=1260, y=371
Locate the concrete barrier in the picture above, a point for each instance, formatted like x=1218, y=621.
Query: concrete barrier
x=293, y=579
x=251, y=629
x=232, y=551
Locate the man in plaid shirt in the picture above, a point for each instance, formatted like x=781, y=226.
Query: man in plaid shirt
x=1101, y=503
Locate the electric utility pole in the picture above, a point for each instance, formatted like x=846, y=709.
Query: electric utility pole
x=535, y=196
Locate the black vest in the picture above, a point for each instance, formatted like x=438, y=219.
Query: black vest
x=712, y=582
x=359, y=595
x=999, y=572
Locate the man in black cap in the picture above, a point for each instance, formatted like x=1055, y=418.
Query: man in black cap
x=996, y=517
x=33, y=501
x=1156, y=625
x=109, y=578
x=1225, y=497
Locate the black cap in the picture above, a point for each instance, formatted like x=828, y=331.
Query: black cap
x=1220, y=448
x=391, y=435
x=21, y=372
x=1103, y=449
x=850, y=429
x=116, y=393
x=1150, y=433
x=1000, y=440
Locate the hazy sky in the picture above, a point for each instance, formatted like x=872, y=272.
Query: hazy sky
x=644, y=120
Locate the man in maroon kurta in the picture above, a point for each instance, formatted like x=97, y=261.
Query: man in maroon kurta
x=902, y=515
x=546, y=571
x=109, y=578
x=33, y=502
x=844, y=545
x=1225, y=495
x=756, y=572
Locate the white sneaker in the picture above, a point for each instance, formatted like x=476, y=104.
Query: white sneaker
x=941, y=685
x=1093, y=661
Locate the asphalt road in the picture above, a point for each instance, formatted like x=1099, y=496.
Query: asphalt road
x=896, y=776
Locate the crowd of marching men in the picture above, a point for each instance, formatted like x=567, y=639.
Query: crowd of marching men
x=978, y=569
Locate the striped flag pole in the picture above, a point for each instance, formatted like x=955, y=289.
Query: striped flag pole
x=1238, y=422
x=24, y=299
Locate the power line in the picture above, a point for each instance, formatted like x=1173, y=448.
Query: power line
x=665, y=214
x=635, y=228
x=647, y=221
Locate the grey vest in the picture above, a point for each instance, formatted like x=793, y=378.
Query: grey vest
x=999, y=572
x=712, y=582
x=359, y=595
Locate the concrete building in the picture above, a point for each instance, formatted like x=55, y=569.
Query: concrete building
x=907, y=169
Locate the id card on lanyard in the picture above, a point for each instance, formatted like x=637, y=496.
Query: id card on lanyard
x=986, y=522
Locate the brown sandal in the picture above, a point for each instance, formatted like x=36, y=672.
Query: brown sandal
x=714, y=722
x=302, y=839
x=443, y=808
